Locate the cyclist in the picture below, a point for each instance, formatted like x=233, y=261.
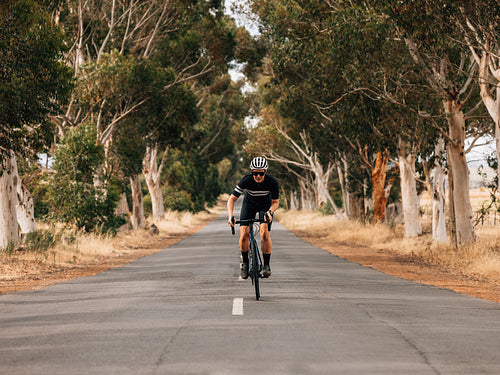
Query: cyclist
x=261, y=196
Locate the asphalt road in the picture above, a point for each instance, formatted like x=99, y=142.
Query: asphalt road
x=184, y=310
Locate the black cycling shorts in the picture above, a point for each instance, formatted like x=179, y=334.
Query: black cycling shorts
x=249, y=211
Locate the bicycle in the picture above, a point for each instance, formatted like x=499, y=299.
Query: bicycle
x=254, y=253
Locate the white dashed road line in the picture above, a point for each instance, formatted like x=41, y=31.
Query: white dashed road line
x=238, y=306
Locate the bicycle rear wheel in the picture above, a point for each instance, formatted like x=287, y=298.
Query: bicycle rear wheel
x=254, y=269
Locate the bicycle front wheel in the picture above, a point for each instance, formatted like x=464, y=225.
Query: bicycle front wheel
x=254, y=270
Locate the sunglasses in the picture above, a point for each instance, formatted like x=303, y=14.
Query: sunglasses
x=258, y=173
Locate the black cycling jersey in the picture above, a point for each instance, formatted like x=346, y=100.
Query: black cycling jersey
x=258, y=195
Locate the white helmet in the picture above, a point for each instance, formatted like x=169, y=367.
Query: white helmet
x=258, y=163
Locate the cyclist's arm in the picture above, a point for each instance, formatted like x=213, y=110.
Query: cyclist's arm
x=275, y=203
x=230, y=208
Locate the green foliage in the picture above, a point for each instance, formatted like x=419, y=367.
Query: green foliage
x=177, y=200
x=493, y=203
x=337, y=70
x=129, y=147
x=34, y=81
x=221, y=130
x=249, y=51
x=39, y=188
x=115, y=83
x=190, y=177
x=39, y=241
x=166, y=80
x=74, y=198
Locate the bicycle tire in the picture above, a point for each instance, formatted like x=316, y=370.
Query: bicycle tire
x=255, y=268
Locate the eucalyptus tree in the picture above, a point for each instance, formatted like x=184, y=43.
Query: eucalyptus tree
x=321, y=54
x=167, y=122
x=291, y=43
x=73, y=197
x=366, y=49
x=449, y=72
x=211, y=40
x=479, y=28
x=189, y=44
x=431, y=62
x=33, y=84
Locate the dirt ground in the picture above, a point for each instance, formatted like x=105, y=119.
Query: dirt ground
x=405, y=268
x=410, y=269
x=39, y=276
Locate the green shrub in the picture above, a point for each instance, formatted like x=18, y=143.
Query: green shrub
x=147, y=204
x=39, y=241
x=177, y=200
x=74, y=198
x=190, y=177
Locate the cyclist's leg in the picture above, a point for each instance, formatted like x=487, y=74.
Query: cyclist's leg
x=265, y=236
x=246, y=213
x=266, y=246
x=244, y=238
x=265, y=239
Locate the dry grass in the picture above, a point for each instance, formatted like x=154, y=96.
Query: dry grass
x=479, y=260
x=74, y=249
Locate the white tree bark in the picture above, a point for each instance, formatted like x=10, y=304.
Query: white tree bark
x=294, y=201
x=25, y=208
x=409, y=196
x=491, y=104
x=9, y=233
x=79, y=59
x=307, y=160
x=307, y=199
x=152, y=173
x=344, y=186
x=437, y=77
x=465, y=232
x=137, y=215
x=322, y=178
x=488, y=78
x=122, y=209
x=439, y=198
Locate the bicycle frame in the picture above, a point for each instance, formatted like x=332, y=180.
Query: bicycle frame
x=254, y=257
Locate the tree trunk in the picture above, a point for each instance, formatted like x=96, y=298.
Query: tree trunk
x=491, y=103
x=294, y=201
x=152, y=174
x=323, y=195
x=451, y=205
x=122, y=209
x=344, y=186
x=461, y=198
x=409, y=196
x=25, y=208
x=307, y=201
x=137, y=214
x=8, y=201
x=497, y=129
x=438, y=199
x=357, y=203
x=315, y=178
x=348, y=201
x=122, y=206
x=379, y=193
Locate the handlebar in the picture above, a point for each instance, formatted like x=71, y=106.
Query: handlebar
x=250, y=221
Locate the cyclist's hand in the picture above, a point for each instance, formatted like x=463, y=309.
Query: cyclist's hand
x=230, y=221
x=269, y=216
